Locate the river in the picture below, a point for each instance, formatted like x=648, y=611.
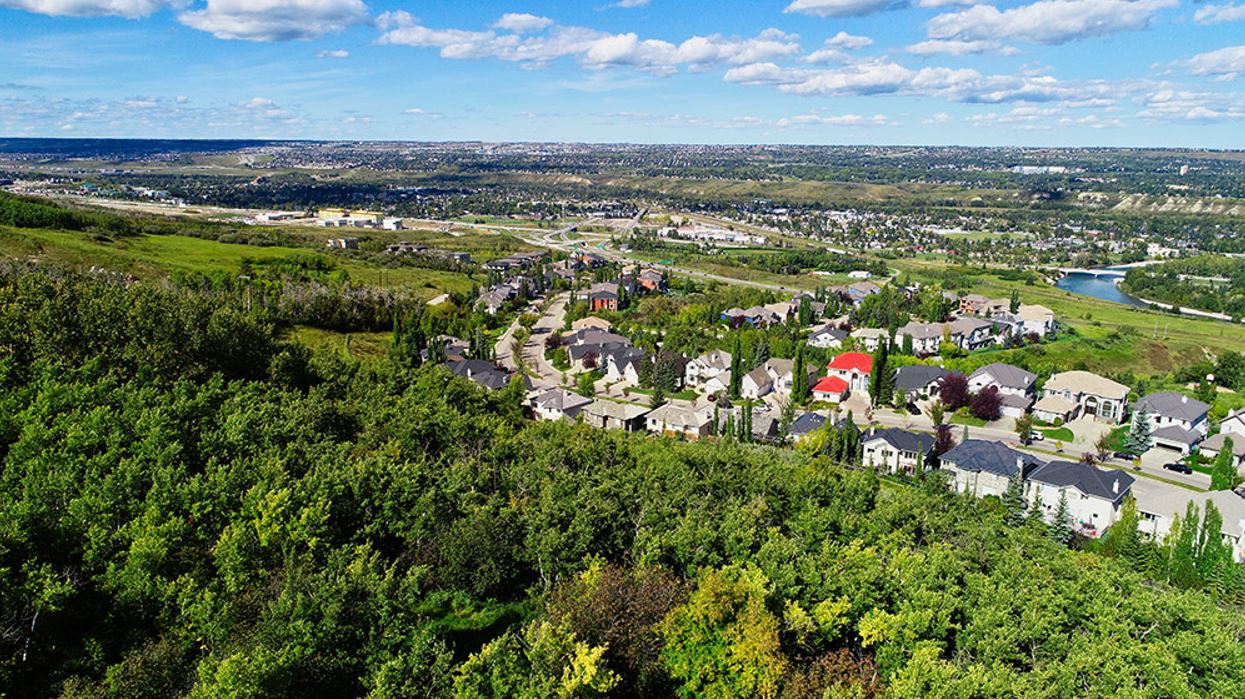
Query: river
x=1098, y=287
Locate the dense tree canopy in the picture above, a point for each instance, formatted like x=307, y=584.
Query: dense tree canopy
x=181, y=516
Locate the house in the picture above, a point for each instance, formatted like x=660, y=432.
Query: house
x=1213, y=445
x=1094, y=495
x=806, y=424
x=870, y=338
x=1093, y=395
x=496, y=299
x=766, y=428
x=854, y=368
x=608, y=415
x=1234, y=423
x=831, y=389
x=756, y=383
x=856, y=292
x=973, y=333
x=601, y=297
x=1036, y=320
x=707, y=366
x=677, y=419
x=1054, y=409
x=972, y=304
x=925, y=337
x=480, y=372
x=1176, y=420
x=652, y=281
x=782, y=373
x=623, y=365
x=897, y=451
x=827, y=337
x=1158, y=509
x=919, y=382
x=592, y=322
x=1010, y=380
x=980, y=468
x=558, y=404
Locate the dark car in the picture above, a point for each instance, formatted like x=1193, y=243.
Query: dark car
x=1123, y=455
x=1178, y=467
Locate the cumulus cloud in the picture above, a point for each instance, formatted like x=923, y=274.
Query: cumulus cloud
x=955, y=47
x=1214, y=14
x=592, y=48
x=841, y=8
x=1226, y=63
x=946, y=3
x=521, y=22
x=131, y=9
x=149, y=117
x=851, y=42
x=1048, y=21
x=880, y=76
x=1173, y=104
x=275, y=20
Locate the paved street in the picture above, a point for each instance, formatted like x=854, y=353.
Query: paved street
x=542, y=373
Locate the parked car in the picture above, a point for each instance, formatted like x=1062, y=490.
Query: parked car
x=1036, y=436
x=1123, y=455
x=1178, y=467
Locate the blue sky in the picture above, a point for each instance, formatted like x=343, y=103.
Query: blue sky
x=1048, y=72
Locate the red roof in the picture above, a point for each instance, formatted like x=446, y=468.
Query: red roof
x=852, y=361
x=830, y=384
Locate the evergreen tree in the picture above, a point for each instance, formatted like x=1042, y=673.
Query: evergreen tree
x=1036, y=516
x=806, y=311
x=1214, y=556
x=880, y=381
x=1223, y=475
x=907, y=345
x=1123, y=539
x=1014, y=500
x=737, y=369
x=1014, y=306
x=1138, y=441
x=760, y=353
x=850, y=450
x=1061, y=523
x=799, y=377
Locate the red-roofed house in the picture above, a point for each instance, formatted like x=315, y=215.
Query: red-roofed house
x=854, y=368
x=832, y=389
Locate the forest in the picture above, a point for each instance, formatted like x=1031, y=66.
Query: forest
x=191, y=505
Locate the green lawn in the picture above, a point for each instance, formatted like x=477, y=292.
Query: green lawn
x=157, y=255
x=1058, y=434
x=967, y=420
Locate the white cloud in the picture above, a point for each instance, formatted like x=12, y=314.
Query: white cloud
x=832, y=120
x=851, y=42
x=946, y=3
x=954, y=47
x=591, y=48
x=334, y=53
x=939, y=118
x=275, y=20
x=521, y=22
x=1226, y=63
x=1171, y=104
x=1213, y=14
x=880, y=76
x=421, y=112
x=131, y=9
x=630, y=3
x=840, y=8
x=1048, y=21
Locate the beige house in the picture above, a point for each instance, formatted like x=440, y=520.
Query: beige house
x=1093, y=395
x=592, y=322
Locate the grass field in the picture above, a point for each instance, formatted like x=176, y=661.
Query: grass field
x=357, y=345
x=156, y=255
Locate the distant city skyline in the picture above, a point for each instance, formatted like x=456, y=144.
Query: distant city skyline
x=1161, y=73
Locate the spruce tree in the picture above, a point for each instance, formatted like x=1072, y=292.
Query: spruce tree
x=1035, y=516
x=880, y=380
x=799, y=376
x=1138, y=441
x=1014, y=500
x=1061, y=523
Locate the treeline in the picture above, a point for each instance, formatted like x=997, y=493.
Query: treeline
x=1207, y=282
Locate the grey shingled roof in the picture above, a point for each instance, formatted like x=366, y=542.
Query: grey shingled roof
x=917, y=376
x=1176, y=433
x=903, y=440
x=1007, y=375
x=807, y=424
x=991, y=457
x=1110, y=485
x=1173, y=405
